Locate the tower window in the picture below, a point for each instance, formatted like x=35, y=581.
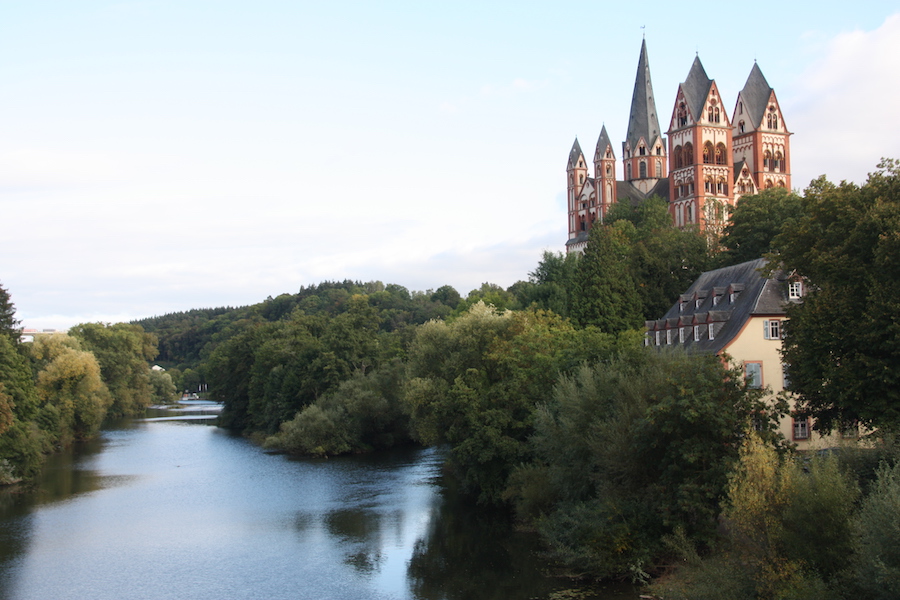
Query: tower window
x=707, y=153
x=643, y=169
x=659, y=168
x=688, y=154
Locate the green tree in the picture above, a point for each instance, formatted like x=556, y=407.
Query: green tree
x=162, y=388
x=842, y=342
x=630, y=450
x=9, y=325
x=605, y=293
x=22, y=443
x=69, y=386
x=123, y=351
x=876, y=564
x=755, y=223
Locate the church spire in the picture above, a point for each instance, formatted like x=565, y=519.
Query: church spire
x=643, y=122
x=644, y=149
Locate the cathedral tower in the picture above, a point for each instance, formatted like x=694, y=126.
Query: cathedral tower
x=762, y=152
x=700, y=138
x=604, y=173
x=577, y=174
x=644, y=149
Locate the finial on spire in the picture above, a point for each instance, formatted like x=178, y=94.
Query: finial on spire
x=643, y=32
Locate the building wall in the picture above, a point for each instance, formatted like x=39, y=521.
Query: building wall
x=751, y=346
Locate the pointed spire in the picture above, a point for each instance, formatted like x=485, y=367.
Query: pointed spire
x=755, y=95
x=643, y=121
x=696, y=88
x=574, y=153
x=602, y=143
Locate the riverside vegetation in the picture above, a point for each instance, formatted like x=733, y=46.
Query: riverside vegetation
x=628, y=462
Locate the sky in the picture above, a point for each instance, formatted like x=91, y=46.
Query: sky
x=163, y=155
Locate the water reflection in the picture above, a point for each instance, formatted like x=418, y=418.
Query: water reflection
x=174, y=510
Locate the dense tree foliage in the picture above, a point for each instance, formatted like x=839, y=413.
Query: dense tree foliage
x=843, y=342
x=9, y=325
x=755, y=223
x=123, y=351
x=626, y=451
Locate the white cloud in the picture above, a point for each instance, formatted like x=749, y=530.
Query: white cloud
x=842, y=109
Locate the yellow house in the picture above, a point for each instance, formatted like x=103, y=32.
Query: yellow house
x=738, y=312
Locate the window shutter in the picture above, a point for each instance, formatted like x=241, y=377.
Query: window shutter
x=766, y=329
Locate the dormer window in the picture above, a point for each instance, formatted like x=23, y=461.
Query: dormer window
x=696, y=333
x=681, y=335
x=712, y=332
x=795, y=290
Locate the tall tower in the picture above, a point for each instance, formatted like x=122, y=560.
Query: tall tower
x=762, y=151
x=644, y=149
x=604, y=173
x=577, y=176
x=699, y=133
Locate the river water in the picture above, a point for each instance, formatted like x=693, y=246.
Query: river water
x=179, y=509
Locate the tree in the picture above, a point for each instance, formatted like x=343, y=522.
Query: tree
x=70, y=386
x=605, y=292
x=631, y=449
x=9, y=325
x=123, y=351
x=842, y=342
x=755, y=223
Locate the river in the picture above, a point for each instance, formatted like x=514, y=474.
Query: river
x=161, y=509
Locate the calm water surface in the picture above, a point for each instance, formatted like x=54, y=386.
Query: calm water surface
x=169, y=509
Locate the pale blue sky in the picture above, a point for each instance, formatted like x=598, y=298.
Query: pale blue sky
x=158, y=156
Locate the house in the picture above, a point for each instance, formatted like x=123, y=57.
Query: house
x=739, y=312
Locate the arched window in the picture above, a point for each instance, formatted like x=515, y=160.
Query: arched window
x=681, y=115
x=580, y=179
x=781, y=183
x=642, y=151
x=768, y=183
x=721, y=187
x=721, y=154
x=707, y=185
x=642, y=168
x=688, y=154
x=767, y=160
x=628, y=172
x=659, y=168
x=608, y=170
x=708, y=153
x=779, y=162
x=710, y=114
x=741, y=127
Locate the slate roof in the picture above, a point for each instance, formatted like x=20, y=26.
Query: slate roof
x=754, y=295
x=602, y=143
x=643, y=121
x=696, y=88
x=574, y=153
x=755, y=96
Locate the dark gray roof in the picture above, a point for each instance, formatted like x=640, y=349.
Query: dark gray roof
x=755, y=96
x=754, y=295
x=574, y=153
x=643, y=121
x=696, y=88
x=626, y=191
x=602, y=143
x=582, y=237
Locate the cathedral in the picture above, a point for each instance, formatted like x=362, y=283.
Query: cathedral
x=714, y=159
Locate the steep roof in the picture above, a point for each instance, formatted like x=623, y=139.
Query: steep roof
x=696, y=88
x=574, y=153
x=602, y=143
x=755, y=96
x=754, y=295
x=643, y=121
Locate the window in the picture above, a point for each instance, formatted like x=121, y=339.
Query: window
x=657, y=337
x=696, y=333
x=668, y=336
x=642, y=167
x=801, y=428
x=659, y=168
x=795, y=290
x=753, y=373
x=712, y=331
x=772, y=329
x=688, y=154
x=681, y=335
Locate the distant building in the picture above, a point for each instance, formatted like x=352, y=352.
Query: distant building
x=707, y=163
x=739, y=312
